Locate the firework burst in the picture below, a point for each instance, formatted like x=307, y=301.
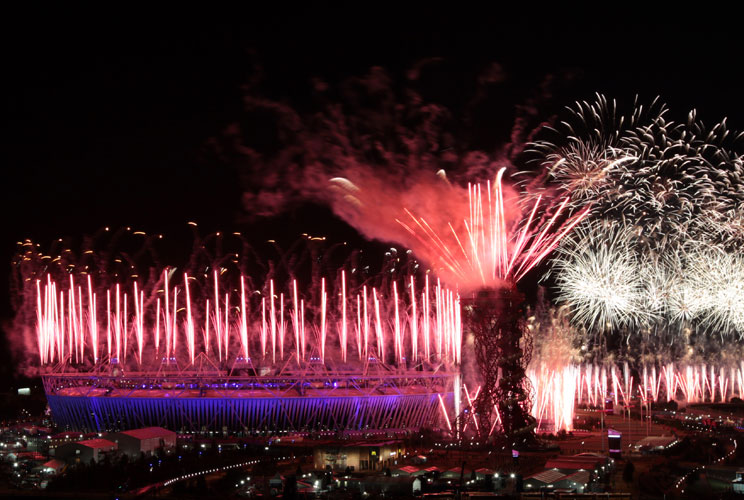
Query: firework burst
x=661, y=249
x=492, y=244
x=716, y=278
x=643, y=167
x=598, y=277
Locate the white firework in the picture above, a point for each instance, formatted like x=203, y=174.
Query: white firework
x=660, y=285
x=717, y=280
x=644, y=168
x=600, y=279
x=675, y=193
x=585, y=170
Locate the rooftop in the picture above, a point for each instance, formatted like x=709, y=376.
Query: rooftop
x=581, y=477
x=656, y=441
x=548, y=476
x=97, y=443
x=149, y=433
x=54, y=464
x=575, y=463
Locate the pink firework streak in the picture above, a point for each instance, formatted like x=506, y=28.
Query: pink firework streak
x=557, y=390
x=424, y=328
x=487, y=248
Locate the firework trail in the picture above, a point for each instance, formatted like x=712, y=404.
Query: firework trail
x=392, y=155
x=491, y=244
x=213, y=311
x=244, y=330
x=554, y=369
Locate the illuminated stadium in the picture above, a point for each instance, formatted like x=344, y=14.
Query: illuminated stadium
x=363, y=363
x=286, y=403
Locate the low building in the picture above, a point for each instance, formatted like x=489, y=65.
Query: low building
x=570, y=464
x=358, y=456
x=652, y=444
x=456, y=473
x=85, y=451
x=53, y=466
x=545, y=479
x=577, y=482
x=147, y=440
x=408, y=470
x=480, y=474
x=388, y=486
x=62, y=438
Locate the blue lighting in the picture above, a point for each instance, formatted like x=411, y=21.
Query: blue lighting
x=313, y=405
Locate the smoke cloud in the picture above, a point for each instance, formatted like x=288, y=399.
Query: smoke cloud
x=373, y=147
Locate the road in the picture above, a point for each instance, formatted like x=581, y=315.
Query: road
x=596, y=441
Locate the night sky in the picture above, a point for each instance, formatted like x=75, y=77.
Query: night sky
x=108, y=123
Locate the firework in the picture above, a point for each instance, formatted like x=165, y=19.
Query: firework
x=713, y=286
x=487, y=249
x=357, y=352
x=598, y=276
x=555, y=394
x=70, y=334
x=659, y=253
x=644, y=168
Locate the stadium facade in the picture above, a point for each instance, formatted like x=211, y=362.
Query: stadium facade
x=249, y=404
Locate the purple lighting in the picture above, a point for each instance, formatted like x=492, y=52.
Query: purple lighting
x=302, y=403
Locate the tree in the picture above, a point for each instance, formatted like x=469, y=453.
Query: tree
x=628, y=472
x=694, y=476
x=488, y=485
x=201, y=486
x=290, y=487
x=519, y=483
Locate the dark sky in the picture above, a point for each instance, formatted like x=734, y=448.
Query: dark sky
x=107, y=120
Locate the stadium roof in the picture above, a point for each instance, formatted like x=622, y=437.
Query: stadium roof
x=373, y=444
